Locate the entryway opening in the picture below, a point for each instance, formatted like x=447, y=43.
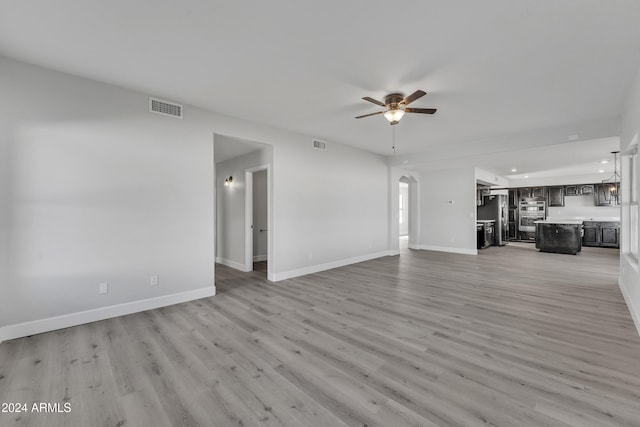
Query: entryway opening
x=243, y=211
x=407, y=212
x=258, y=210
x=403, y=212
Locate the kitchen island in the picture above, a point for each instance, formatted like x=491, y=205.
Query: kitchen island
x=559, y=236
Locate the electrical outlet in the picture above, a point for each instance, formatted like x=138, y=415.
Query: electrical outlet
x=103, y=288
x=155, y=280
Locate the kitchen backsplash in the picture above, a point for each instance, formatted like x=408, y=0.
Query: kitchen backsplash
x=582, y=206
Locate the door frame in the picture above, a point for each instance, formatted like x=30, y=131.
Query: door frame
x=393, y=234
x=248, y=218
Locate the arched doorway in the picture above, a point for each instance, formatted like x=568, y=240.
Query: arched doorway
x=407, y=212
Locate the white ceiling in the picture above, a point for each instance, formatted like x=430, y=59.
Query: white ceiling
x=503, y=74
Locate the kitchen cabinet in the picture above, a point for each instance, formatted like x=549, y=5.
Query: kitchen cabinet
x=556, y=197
x=530, y=192
x=525, y=193
x=605, y=234
x=586, y=189
x=571, y=190
x=590, y=237
x=602, y=194
x=539, y=192
x=610, y=234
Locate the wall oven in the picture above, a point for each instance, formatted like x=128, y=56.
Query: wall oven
x=531, y=210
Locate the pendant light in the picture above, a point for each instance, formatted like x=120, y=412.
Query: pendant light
x=613, y=182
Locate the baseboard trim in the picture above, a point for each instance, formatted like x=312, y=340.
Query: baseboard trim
x=635, y=316
x=329, y=265
x=447, y=249
x=259, y=258
x=393, y=252
x=233, y=264
x=20, y=330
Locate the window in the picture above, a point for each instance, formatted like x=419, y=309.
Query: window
x=401, y=209
x=630, y=208
x=633, y=203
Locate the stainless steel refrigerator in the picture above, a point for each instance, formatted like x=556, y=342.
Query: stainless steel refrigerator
x=496, y=208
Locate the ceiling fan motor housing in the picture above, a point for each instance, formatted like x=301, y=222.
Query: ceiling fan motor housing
x=393, y=100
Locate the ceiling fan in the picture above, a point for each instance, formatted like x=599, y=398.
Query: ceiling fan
x=396, y=106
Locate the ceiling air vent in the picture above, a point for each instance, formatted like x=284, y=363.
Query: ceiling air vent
x=165, y=108
x=319, y=145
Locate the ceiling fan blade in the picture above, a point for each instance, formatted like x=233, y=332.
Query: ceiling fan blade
x=415, y=95
x=420, y=110
x=371, y=114
x=375, y=101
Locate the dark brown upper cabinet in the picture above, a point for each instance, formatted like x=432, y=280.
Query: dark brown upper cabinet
x=556, y=197
x=586, y=189
x=571, y=190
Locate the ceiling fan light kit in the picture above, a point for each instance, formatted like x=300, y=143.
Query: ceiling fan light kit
x=396, y=105
x=394, y=116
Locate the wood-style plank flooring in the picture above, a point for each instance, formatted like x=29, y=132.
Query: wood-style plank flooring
x=511, y=337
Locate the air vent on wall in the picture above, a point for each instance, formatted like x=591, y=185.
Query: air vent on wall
x=319, y=145
x=165, y=108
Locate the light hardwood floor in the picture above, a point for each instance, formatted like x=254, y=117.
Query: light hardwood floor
x=511, y=337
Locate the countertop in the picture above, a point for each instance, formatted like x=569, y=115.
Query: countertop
x=584, y=218
x=485, y=221
x=560, y=221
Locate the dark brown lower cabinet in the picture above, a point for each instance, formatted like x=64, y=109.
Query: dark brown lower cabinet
x=610, y=234
x=605, y=234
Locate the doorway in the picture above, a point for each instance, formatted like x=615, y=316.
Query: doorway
x=260, y=222
x=408, y=214
x=236, y=162
x=403, y=213
x=257, y=208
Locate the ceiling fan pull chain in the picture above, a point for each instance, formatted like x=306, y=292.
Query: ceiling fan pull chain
x=393, y=138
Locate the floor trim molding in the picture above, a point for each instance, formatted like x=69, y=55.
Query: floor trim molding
x=446, y=249
x=20, y=330
x=329, y=265
x=232, y=264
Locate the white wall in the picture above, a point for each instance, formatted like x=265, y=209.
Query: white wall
x=96, y=189
x=629, y=269
x=448, y=210
x=230, y=206
x=583, y=207
x=335, y=209
x=260, y=216
x=490, y=178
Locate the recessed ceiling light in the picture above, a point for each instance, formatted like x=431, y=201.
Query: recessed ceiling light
x=514, y=170
x=604, y=161
x=601, y=171
x=526, y=176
